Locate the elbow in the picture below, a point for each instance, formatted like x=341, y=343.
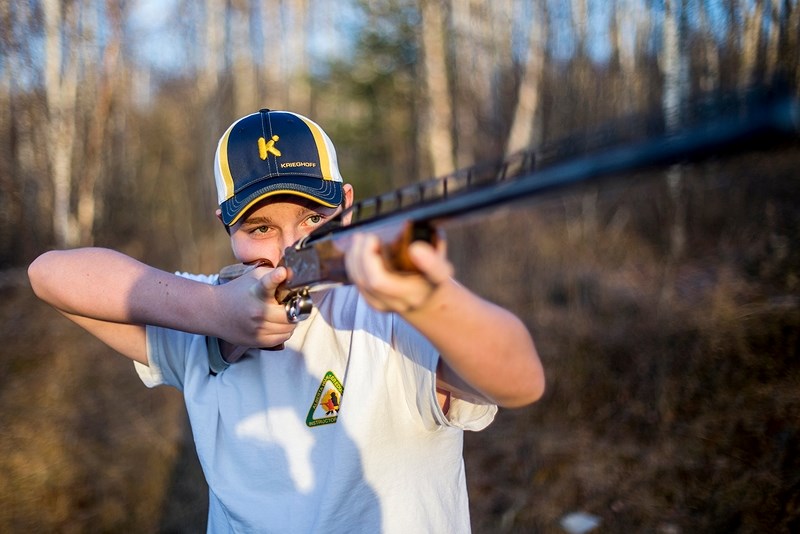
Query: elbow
x=36, y=275
x=40, y=274
x=528, y=374
x=537, y=389
x=530, y=385
x=529, y=392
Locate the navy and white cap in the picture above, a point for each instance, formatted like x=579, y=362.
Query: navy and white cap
x=274, y=153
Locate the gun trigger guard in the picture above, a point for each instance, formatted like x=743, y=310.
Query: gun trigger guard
x=298, y=306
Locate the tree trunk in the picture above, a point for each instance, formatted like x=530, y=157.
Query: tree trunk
x=751, y=42
x=580, y=25
x=275, y=89
x=477, y=62
x=214, y=31
x=466, y=109
x=61, y=94
x=297, y=60
x=525, y=132
x=626, y=26
x=438, y=111
x=245, y=95
x=674, y=69
x=710, y=75
x=8, y=180
x=792, y=36
x=87, y=200
x=28, y=176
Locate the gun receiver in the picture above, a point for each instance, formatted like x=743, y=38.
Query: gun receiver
x=321, y=263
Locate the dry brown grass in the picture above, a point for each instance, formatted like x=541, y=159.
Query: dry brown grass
x=672, y=402
x=84, y=447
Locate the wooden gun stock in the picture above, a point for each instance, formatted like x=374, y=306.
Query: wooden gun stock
x=322, y=263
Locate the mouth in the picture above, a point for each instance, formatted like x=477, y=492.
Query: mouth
x=230, y=272
x=261, y=262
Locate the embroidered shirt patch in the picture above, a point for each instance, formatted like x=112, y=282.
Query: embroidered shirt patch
x=325, y=408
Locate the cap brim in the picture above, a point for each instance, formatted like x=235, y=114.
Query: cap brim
x=325, y=192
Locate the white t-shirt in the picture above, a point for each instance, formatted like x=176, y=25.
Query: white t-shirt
x=339, y=431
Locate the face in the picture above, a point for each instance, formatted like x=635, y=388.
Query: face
x=278, y=222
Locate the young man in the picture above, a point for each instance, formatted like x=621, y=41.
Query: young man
x=356, y=423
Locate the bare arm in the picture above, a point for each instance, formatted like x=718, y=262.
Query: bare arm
x=113, y=296
x=485, y=345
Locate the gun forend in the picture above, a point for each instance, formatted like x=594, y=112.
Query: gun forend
x=321, y=261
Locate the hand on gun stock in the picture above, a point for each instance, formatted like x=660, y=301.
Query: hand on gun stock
x=389, y=288
x=255, y=291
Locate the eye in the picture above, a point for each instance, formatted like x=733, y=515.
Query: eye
x=316, y=218
x=260, y=230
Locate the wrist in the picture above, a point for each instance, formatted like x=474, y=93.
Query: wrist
x=435, y=301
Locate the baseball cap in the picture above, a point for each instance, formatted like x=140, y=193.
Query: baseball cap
x=274, y=153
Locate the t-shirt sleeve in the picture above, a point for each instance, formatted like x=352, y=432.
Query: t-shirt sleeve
x=168, y=350
x=420, y=363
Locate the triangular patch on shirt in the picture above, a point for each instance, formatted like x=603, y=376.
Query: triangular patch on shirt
x=325, y=408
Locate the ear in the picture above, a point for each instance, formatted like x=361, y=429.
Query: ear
x=218, y=213
x=347, y=193
x=347, y=201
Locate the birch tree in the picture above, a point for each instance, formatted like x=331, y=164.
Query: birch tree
x=783, y=41
x=710, y=74
x=470, y=80
x=214, y=45
x=296, y=61
x=750, y=41
x=484, y=62
x=8, y=64
x=274, y=92
x=629, y=33
x=98, y=121
x=792, y=36
x=438, y=110
x=61, y=82
x=243, y=65
x=580, y=25
x=674, y=66
x=774, y=39
x=525, y=130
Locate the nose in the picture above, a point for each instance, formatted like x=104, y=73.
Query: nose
x=289, y=236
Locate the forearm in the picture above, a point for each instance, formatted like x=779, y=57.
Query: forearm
x=486, y=346
x=105, y=285
x=127, y=339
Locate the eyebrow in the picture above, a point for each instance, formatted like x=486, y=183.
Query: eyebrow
x=301, y=211
x=257, y=220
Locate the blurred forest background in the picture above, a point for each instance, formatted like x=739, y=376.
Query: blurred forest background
x=666, y=306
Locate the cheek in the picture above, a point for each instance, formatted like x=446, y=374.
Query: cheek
x=249, y=250
x=237, y=248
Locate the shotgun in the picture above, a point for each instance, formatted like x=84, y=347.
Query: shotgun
x=416, y=212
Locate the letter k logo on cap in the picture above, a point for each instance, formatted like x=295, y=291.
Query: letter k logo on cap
x=268, y=147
